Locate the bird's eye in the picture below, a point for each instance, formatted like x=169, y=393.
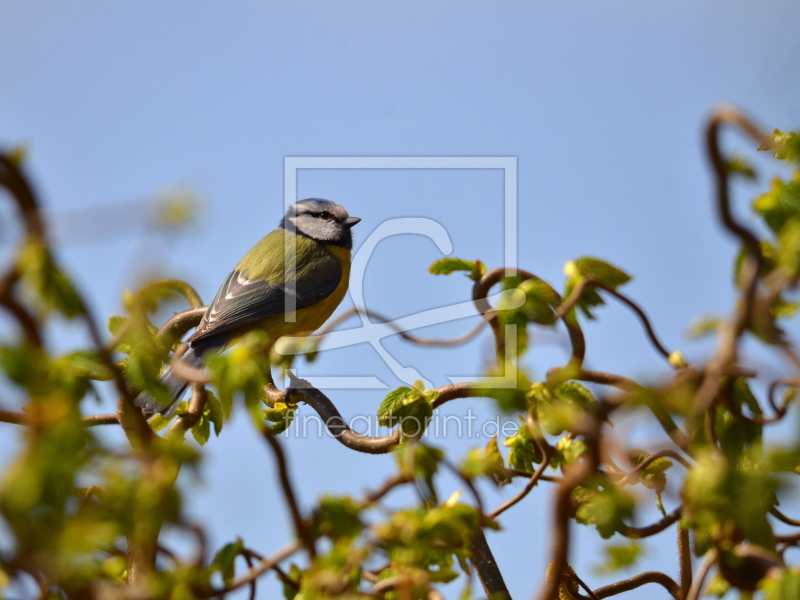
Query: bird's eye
x=325, y=215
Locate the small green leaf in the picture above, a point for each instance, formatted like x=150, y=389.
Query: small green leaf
x=602, y=271
x=446, y=266
x=225, y=558
x=785, y=146
x=620, y=556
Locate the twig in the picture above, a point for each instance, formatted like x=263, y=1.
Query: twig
x=488, y=572
x=637, y=533
x=262, y=567
x=702, y=573
x=639, y=580
x=534, y=479
x=685, y=560
x=301, y=529
x=21, y=418
x=782, y=517
x=481, y=289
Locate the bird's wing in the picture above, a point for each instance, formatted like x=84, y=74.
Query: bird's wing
x=242, y=301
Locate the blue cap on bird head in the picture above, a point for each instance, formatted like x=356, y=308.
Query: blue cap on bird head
x=320, y=220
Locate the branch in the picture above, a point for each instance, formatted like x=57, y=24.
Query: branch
x=21, y=418
x=488, y=571
x=262, y=567
x=301, y=529
x=534, y=479
x=301, y=390
x=637, y=533
x=639, y=580
x=481, y=289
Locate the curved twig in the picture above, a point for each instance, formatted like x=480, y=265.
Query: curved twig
x=637, y=533
x=783, y=518
x=639, y=580
x=301, y=390
x=262, y=567
x=534, y=479
x=481, y=290
x=702, y=572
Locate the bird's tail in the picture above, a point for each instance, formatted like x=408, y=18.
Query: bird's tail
x=175, y=385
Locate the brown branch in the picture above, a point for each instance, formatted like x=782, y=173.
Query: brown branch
x=637, y=533
x=301, y=528
x=21, y=418
x=618, y=381
x=262, y=567
x=639, y=580
x=488, y=572
x=702, y=572
x=301, y=390
x=782, y=517
x=26, y=321
x=197, y=404
x=373, y=496
x=685, y=560
x=590, y=427
x=534, y=479
x=481, y=290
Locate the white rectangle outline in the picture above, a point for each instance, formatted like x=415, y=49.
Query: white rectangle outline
x=291, y=164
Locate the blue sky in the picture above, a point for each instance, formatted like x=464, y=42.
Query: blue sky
x=601, y=102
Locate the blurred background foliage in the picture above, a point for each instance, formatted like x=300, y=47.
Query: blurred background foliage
x=86, y=518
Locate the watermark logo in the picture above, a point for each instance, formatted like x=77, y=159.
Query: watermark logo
x=373, y=332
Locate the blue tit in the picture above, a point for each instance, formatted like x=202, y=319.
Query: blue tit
x=254, y=294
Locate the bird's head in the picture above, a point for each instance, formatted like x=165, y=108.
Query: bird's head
x=320, y=220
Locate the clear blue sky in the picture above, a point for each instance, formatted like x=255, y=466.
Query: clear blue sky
x=602, y=103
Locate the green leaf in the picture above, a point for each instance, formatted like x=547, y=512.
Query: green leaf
x=786, y=146
x=408, y=408
x=446, y=266
x=781, y=585
x=781, y=204
x=117, y=323
x=653, y=475
x=215, y=412
x=225, y=558
x=50, y=288
x=620, y=556
x=337, y=517
x=201, y=430
x=598, y=270
x=601, y=503
x=523, y=451
x=602, y=271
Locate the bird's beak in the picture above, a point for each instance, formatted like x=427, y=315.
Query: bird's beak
x=350, y=221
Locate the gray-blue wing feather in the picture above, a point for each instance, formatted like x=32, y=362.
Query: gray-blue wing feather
x=241, y=301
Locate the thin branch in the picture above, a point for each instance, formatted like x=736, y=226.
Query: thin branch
x=782, y=517
x=373, y=496
x=488, y=572
x=697, y=585
x=21, y=418
x=481, y=290
x=639, y=580
x=197, y=405
x=534, y=479
x=301, y=529
x=637, y=533
x=262, y=567
x=632, y=476
x=685, y=560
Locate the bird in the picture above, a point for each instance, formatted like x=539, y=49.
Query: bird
x=253, y=296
